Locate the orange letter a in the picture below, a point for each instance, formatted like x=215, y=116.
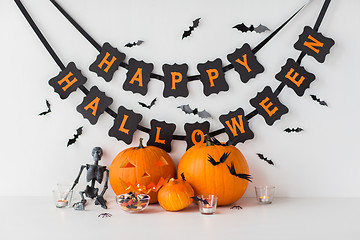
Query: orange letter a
x=137, y=77
x=93, y=105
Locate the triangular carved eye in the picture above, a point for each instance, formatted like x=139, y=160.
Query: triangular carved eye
x=161, y=162
x=127, y=164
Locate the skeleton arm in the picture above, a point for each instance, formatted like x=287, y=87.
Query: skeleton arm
x=78, y=177
x=100, y=197
x=106, y=183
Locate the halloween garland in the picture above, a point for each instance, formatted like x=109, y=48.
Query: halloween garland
x=242, y=60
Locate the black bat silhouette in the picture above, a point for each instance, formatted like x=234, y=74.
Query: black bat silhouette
x=148, y=106
x=217, y=142
x=186, y=108
x=139, y=42
x=195, y=198
x=239, y=175
x=76, y=136
x=243, y=28
x=262, y=157
x=47, y=111
x=183, y=177
x=191, y=28
x=221, y=160
x=289, y=130
x=318, y=100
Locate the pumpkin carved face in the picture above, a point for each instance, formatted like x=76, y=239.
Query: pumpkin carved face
x=141, y=170
x=210, y=169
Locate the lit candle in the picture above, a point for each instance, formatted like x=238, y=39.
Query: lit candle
x=207, y=209
x=264, y=199
x=62, y=203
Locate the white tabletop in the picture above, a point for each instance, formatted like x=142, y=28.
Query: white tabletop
x=285, y=218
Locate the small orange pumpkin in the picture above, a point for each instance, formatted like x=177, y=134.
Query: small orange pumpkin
x=141, y=170
x=207, y=178
x=175, y=195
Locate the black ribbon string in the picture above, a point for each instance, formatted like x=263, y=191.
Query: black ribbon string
x=156, y=76
x=190, y=78
x=302, y=54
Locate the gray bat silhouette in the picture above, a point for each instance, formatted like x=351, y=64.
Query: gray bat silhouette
x=243, y=28
x=187, y=109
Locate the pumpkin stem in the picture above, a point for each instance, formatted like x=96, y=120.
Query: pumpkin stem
x=208, y=140
x=140, y=144
x=172, y=181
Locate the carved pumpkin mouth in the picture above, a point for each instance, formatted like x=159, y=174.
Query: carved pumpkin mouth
x=144, y=189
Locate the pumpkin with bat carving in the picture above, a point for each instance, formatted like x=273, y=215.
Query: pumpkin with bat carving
x=141, y=170
x=215, y=169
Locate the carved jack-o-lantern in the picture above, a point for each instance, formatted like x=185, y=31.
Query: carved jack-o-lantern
x=141, y=170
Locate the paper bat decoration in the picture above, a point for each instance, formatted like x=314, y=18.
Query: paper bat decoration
x=195, y=198
x=76, y=136
x=318, y=100
x=238, y=207
x=262, y=157
x=217, y=142
x=243, y=28
x=239, y=175
x=221, y=160
x=191, y=28
x=183, y=177
x=138, y=43
x=47, y=111
x=289, y=130
x=186, y=108
x=148, y=106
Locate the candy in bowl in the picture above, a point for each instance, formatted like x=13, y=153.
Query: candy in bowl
x=131, y=202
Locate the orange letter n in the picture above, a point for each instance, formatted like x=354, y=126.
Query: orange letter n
x=313, y=44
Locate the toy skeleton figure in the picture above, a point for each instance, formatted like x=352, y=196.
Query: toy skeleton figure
x=95, y=173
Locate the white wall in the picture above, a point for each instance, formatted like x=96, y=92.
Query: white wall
x=321, y=161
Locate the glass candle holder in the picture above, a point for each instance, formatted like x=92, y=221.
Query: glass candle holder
x=62, y=195
x=207, y=204
x=264, y=194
